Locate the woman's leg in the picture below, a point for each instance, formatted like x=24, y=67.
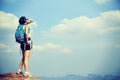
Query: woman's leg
x=26, y=58
x=21, y=62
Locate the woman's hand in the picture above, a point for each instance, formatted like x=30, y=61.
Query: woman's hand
x=28, y=42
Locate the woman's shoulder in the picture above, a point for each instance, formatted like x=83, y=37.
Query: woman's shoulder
x=25, y=26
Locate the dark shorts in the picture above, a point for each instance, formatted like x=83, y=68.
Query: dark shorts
x=25, y=47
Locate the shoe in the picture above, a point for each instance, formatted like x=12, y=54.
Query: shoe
x=19, y=72
x=27, y=74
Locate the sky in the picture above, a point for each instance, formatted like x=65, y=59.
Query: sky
x=69, y=36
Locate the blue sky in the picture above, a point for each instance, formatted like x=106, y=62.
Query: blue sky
x=70, y=36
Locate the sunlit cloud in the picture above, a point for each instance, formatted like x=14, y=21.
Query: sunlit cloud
x=5, y=48
x=117, y=46
x=101, y=1
x=8, y=20
x=51, y=47
x=105, y=23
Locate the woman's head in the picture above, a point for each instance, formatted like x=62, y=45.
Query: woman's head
x=23, y=20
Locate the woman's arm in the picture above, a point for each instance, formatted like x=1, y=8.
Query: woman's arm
x=26, y=34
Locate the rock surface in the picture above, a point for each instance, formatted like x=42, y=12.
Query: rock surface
x=14, y=76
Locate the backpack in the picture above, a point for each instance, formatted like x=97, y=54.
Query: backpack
x=20, y=34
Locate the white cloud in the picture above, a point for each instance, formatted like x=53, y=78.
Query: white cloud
x=8, y=20
x=106, y=22
x=51, y=47
x=101, y=1
x=6, y=48
x=117, y=46
x=33, y=25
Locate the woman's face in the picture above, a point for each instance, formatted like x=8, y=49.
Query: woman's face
x=27, y=21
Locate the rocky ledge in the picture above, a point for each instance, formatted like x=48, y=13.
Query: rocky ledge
x=14, y=76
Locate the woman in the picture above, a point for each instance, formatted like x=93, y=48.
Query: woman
x=26, y=47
